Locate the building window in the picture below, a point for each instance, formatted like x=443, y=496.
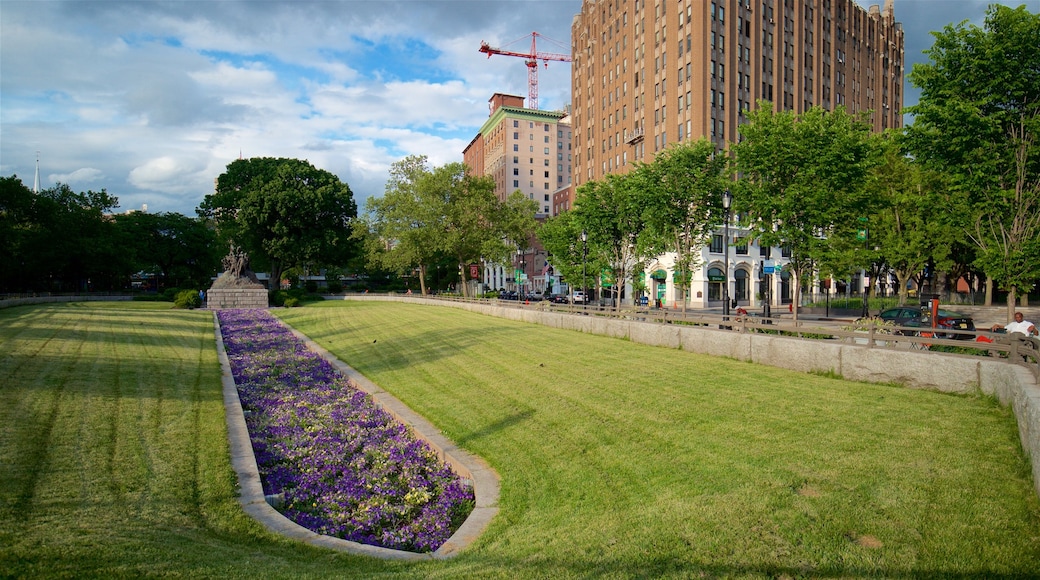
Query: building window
x=741, y=247
x=716, y=244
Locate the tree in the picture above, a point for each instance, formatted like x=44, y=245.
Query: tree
x=403, y=226
x=683, y=188
x=978, y=122
x=284, y=213
x=914, y=225
x=182, y=251
x=16, y=225
x=801, y=183
x=611, y=213
x=477, y=225
x=561, y=237
x=427, y=214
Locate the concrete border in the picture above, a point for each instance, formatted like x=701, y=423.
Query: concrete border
x=484, y=479
x=1011, y=384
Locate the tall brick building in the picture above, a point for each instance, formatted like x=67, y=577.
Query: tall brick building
x=647, y=73
x=650, y=73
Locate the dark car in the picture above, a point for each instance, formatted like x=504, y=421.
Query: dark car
x=921, y=317
x=560, y=299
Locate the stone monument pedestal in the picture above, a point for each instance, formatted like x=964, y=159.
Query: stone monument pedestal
x=237, y=287
x=224, y=298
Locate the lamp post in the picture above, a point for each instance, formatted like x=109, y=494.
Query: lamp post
x=584, y=257
x=727, y=200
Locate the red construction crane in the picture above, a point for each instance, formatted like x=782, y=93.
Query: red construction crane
x=532, y=64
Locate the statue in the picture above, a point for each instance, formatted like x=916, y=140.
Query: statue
x=236, y=271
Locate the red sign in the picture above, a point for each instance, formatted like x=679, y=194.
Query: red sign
x=474, y=271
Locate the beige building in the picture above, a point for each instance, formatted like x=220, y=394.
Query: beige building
x=523, y=149
x=526, y=150
x=647, y=73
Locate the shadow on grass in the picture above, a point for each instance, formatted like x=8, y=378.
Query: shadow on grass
x=500, y=425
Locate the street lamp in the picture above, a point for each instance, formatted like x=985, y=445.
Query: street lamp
x=584, y=257
x=727, y=200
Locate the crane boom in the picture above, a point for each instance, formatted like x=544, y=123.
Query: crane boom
x=531, y=60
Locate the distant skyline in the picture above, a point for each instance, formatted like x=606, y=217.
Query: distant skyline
x=152, y=100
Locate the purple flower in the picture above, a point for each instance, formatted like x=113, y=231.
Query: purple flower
x=346, y=468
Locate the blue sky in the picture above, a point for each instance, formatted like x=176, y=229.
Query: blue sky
x=152, y=100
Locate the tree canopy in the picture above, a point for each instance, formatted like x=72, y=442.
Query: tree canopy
x=978, y=122
x=429, y=213
x=802, y=184
x=285, y=213
x=682, y=203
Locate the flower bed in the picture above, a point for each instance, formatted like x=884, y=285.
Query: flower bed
x=339, y=465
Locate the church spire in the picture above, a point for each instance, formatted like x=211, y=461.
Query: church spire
x=36, y=181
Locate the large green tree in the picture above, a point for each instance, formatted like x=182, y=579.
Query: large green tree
x=285, y=213
x=682, y=190
x=978, y=122
x=428, y=213
x=802, y=184
x=58, y=239
x=914, y=225
x=611, y=214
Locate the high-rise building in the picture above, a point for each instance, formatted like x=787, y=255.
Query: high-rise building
x=526, y=150
x=647, y=73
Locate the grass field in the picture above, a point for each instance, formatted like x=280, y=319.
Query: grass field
x=617, y=460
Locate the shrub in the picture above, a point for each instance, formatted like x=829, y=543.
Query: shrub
x=187, y=299
x=335, y=287
x=311, y=286
x=277, y=297
x=170, y=294
x=291, y=302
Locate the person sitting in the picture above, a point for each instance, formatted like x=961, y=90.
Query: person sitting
x=1019, y=325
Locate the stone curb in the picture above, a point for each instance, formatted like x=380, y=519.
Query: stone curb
x=484, y=479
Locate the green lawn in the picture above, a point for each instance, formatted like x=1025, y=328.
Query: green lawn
x=616, y=459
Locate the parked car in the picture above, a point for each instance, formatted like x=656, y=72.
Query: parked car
x=921, y=317
x=560, y=299
x=578, y=297
x=507, y=295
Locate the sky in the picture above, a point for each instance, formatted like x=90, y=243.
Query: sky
x=152, y=100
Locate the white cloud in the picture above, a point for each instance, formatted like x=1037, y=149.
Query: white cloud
x=84, y=176
x=152, y=100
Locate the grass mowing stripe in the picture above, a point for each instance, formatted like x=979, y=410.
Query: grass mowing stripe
x=618, y=460
x=754, y=467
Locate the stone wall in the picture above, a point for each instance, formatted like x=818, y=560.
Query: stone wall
x=225, y=298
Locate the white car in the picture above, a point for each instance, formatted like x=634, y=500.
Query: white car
x=578, y=297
